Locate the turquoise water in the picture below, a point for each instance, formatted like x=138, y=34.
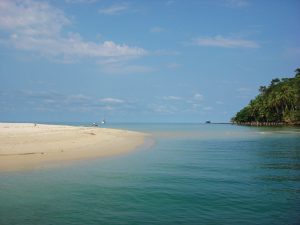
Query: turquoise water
x=193, y=174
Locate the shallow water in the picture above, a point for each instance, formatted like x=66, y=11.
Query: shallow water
x=193, y=174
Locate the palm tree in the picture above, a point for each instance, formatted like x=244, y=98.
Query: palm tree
x=262, y=89
x=297, y=71
x=279, y=102
x=275, y=81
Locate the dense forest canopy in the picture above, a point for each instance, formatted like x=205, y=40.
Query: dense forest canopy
x=278, y=103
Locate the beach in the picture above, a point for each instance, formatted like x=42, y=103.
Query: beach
x=28, y=145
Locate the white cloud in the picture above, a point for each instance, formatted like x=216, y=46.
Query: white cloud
x=112, y=100
x=195, y=100
x=157, y=29
x=219, y=41
x=77, y=98
x=31, y=18
x=198, y=97
x=172, y=98
x=80, y=1
x=108, y=108
x=115, y=9
x=39, y=27
x=162, y=109
x=56, y=102
x=237, y=3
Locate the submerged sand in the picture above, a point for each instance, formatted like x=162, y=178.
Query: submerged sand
x=25, y=145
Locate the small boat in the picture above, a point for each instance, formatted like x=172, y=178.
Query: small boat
x=207, y=122
x=99, y=124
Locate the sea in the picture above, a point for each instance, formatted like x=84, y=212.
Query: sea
x=210, y=174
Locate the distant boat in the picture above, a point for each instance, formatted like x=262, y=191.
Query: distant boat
x=99, y=124
x=207, y=122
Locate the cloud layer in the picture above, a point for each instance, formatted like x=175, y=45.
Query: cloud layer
x=54, y=101
x=220, y=41
x=39, y=27
x=115, y=9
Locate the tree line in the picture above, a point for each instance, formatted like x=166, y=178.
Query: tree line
x=276, y=104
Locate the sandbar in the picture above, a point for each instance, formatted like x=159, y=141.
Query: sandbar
x=27, y=145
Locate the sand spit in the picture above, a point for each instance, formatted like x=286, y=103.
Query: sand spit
x=26, y=145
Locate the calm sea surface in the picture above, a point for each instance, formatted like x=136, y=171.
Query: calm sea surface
x=192, y=174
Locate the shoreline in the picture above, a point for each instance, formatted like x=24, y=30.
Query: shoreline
x=29, y=146
x=267, y=124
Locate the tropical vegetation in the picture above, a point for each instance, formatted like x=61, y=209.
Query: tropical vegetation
x=278, y=103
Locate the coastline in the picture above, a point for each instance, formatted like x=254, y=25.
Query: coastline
x=28, y=146
x=266, y=124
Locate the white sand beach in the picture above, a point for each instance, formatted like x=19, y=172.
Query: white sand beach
x=26, y=145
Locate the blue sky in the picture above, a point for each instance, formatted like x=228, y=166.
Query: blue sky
x=140, y=60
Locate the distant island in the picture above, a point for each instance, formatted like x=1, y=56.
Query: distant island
x=277, y=104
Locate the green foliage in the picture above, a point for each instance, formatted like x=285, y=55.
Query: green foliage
x=277, y=103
